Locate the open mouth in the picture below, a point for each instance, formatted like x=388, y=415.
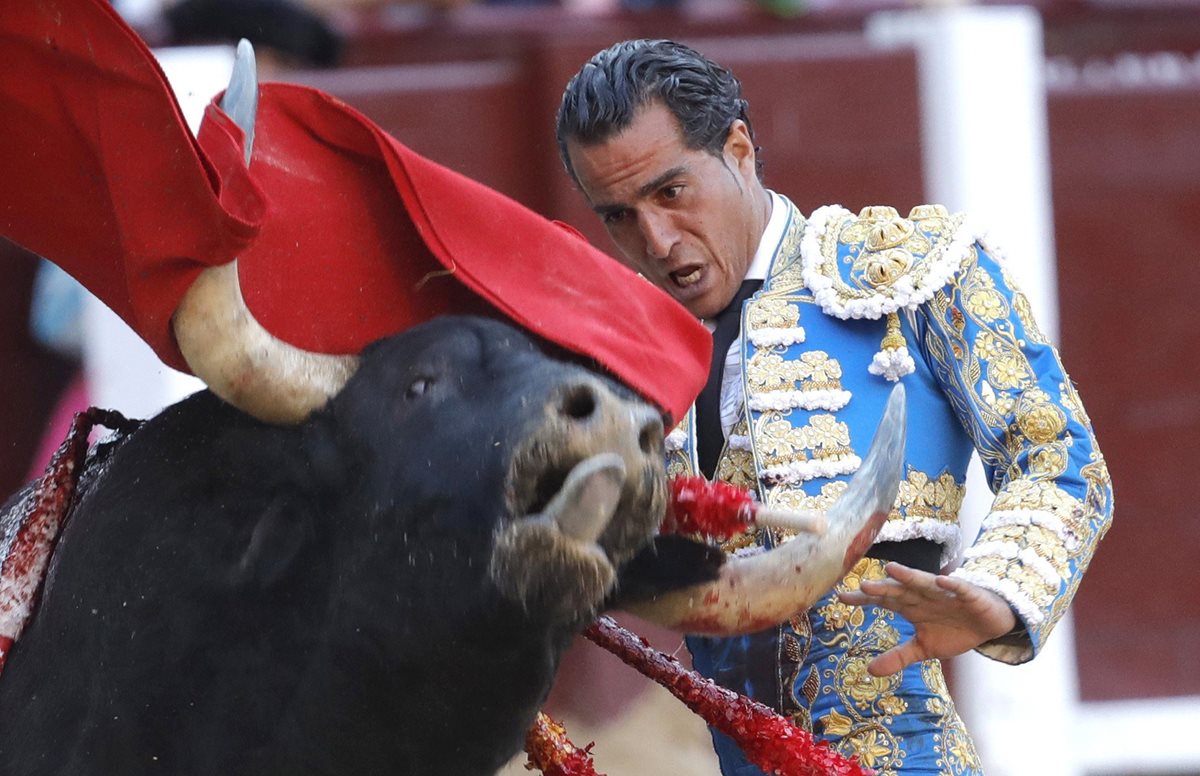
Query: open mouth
x=541, y=476
x=549, y=558
x=545, y=487
x=538, y=474
x=579, y=499
x=687, y=275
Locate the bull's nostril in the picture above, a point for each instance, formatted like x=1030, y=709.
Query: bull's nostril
x=651, y=436
x=579, y=402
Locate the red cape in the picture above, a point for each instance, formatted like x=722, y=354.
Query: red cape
x=342, y=234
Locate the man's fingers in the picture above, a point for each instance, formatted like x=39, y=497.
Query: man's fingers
x=881, y=588
x=915, y=579
x=892, y=595
x=903, y=574
x=896, y=659
x=854, y=597
x=956, y=586
x=906, y=586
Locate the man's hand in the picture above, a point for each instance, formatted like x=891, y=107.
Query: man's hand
x=950, y=616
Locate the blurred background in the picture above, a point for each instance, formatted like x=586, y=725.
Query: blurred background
x=1071, y=127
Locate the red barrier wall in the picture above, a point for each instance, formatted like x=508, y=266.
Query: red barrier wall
x=1126, y=177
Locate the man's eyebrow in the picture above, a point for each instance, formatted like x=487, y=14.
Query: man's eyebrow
x=608, y=208
x=661, y=180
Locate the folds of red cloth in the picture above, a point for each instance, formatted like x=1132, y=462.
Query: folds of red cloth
x=341, y=233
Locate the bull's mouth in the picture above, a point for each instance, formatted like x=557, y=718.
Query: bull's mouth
x=535, y=476
x=549, y=559
x=545, y=487
x=540, y=473
x=577, y=499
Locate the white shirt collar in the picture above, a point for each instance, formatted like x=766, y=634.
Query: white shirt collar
x=761, y=263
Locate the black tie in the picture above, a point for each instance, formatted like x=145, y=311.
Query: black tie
x=709, y=437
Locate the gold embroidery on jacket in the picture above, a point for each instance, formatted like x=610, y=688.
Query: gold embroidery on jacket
x=883, y=248
x=786, y=273
x=768, y=371
x=736, y=464
x=814, y=370
x=868, y=706
x=1025, y=315
x=798, y=697
x=924, y=498
x=1099, y=491
x=823, y=438
x=679, y=460
x=956, y=750
x=770, y=313
x=1038, y=538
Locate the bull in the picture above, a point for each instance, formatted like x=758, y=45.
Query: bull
x=383, y=588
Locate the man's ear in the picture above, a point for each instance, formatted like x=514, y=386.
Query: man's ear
x=739, y=147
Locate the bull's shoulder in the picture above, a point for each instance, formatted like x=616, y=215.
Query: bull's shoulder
x=875, y=262
x=201, y=476
x=204, y=436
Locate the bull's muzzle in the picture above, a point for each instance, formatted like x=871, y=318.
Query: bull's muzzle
x=587, y=490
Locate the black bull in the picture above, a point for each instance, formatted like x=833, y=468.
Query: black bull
x=385, y=588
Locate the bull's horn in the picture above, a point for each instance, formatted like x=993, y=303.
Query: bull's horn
x=245, y=364
x=240, y=102
x=756, y=592
x=223, y=344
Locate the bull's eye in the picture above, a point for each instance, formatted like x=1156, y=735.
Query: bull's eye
x=418, y=387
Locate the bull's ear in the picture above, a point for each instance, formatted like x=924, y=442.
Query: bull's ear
x=672, y=562
x=274, y=547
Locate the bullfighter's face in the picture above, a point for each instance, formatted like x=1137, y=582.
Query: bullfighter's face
x=686, y=219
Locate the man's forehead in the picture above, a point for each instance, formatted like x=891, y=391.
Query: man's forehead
x=632, y=163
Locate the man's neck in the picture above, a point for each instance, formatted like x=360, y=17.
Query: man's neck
x=763, y=206
x=769, y=235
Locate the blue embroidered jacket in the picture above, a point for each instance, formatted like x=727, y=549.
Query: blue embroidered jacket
x=855, y=302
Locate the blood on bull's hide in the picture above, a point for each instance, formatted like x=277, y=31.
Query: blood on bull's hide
x=384, y=588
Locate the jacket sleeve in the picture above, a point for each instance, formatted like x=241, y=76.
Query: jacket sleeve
x=1053, y=496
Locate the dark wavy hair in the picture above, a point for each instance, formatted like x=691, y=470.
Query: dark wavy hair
x=603, y=97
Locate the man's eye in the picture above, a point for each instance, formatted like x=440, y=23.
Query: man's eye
x=614, y=217
x=672, y=192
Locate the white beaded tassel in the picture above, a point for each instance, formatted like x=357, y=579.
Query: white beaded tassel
x=892, y=361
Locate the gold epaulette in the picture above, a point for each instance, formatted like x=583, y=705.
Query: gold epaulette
x=876, y=263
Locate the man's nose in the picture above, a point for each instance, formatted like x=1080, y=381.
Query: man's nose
x=659, y=234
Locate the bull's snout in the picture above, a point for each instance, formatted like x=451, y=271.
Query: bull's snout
x=591, y=409
x=586, y=417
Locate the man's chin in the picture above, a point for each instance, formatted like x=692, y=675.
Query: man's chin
x=704, y=306
x=700, y=300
